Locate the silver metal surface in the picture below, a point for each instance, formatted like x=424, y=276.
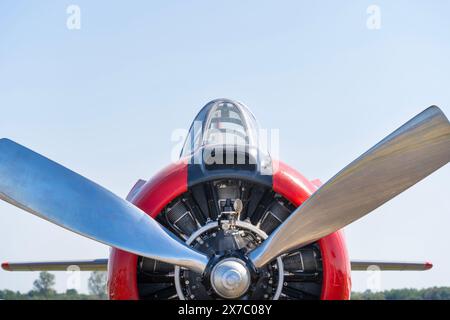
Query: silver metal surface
x=390, y=266
x=409, y=154
x=81, y=265
x=54, y=193
x=230, y=278
x=243, y=225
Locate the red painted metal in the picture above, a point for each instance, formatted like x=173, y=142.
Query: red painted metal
x=291, y=184
x=154, y=195
x=337, y=283
x=336, y=263
x=122, y=275
x=428, y=265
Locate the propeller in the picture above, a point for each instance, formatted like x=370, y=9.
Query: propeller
x=50, y=191
x=406, y=156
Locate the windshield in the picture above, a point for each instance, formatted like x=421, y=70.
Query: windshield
x=222, y=122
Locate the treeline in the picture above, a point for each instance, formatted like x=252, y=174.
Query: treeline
x=435, y=293
x=71, y=294
x=43, y=289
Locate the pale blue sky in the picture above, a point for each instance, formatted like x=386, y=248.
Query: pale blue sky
x=105, y=99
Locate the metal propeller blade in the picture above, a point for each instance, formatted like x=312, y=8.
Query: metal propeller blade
x=406, y=156
x=59, y=195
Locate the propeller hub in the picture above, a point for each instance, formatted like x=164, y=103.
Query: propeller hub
x=230, y=278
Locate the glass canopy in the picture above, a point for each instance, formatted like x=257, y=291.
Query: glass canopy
x=222, y=122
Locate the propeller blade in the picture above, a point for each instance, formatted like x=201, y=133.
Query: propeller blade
x=46, y=189
x=406, y=156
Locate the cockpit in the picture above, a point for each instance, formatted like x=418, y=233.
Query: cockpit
x=224, y=139
x=222, y=122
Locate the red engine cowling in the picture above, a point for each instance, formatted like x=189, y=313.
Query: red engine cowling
x=172, y=181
